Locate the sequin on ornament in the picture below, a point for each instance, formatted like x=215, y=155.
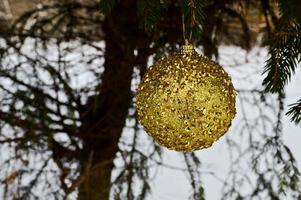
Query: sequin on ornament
x=186, y=102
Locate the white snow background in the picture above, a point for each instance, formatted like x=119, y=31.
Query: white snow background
x=170, y=183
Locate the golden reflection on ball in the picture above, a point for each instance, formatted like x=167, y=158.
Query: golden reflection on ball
x=186, y=102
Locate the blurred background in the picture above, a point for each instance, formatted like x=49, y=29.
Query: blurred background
x=69, y=71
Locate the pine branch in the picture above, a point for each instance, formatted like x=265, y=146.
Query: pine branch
x=285, y=47
x=295, y=112
x=290, y=9
x=285, y=52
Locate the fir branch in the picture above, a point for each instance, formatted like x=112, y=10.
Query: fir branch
x=290, y=9
x=285, y=55
x=295, y=112
x=285, y=48
x=285, y=51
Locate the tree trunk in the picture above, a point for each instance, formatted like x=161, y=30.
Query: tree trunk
x=104, y=115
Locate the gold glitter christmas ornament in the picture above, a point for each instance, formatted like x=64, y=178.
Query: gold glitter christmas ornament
x=186, y=101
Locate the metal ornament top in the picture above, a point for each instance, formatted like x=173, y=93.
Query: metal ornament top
x=187, y=48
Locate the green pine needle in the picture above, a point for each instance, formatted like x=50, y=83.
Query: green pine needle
x=295, y=112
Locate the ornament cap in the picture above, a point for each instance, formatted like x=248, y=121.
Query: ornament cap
x=187, y=48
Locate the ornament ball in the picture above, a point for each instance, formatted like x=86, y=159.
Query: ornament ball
x=186, y=101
